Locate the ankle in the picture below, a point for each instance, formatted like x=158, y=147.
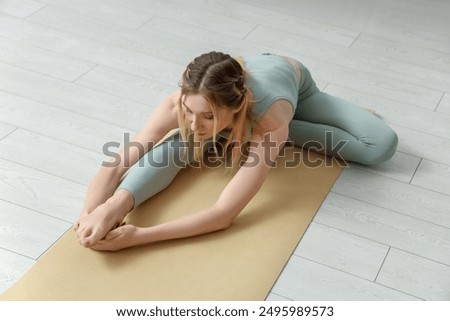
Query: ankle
x=123, y=200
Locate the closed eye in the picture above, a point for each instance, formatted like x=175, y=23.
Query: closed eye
x=207, y=116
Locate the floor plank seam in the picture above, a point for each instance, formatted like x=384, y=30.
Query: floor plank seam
x=419, y=131
x=17, y=253
x=70, y=143
x=37, y=212
x=414, y=174
x=350, y=233
x=392, y=210
x=70, y=111
x=84, y=74
x=87, y=39
x=45, y=5
x=43, y=171
x=440, y=100
x=360, y=278
x=382, y=264
x=8, y=134
x=354, y=41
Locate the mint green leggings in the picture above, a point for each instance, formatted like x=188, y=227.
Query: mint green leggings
x=327, y=124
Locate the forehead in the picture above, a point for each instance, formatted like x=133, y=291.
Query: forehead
x=197, y=103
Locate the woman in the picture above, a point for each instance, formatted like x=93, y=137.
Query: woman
x=263, y=100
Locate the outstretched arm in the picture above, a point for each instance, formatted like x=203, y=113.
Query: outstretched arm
x=105, y=182
x=104, y=207
x=236, y=195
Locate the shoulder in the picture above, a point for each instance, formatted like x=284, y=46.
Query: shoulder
x=271, y=78
x=277, y=117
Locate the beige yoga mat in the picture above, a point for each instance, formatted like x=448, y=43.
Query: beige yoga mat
x=240, y=263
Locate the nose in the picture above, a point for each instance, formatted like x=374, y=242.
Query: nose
x=195, y=124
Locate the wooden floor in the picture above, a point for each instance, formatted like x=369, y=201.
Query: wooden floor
x=75, y=74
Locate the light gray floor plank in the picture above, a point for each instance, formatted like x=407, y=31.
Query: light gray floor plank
x=89, y=50
x=342, y=251
x=28, y=232
x=423, y=145
x=20, y=8
x=39, y=191
x=407, y=53
x=386, y=227
x=51, y=156
x=356, y=14
x=440, y=8
x=43, y=61
x=105, y=11
x=410, y=36
x=190, y=15
x=321, y=283
x=204, y=38
x=397, y=196
x=400, y=167
x=74, y=98
x=154, y=44
x=274, y=297
x=144, y=91
x=64, y=125
x=416, y=275
x=433, y=176
x=6, y=129
x=12, y=267
x=321, y=31
x=444, y=105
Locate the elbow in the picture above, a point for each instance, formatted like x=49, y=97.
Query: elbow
x=225, y=224
x=225, y=217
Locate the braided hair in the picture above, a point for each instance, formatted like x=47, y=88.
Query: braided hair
x=221, y=80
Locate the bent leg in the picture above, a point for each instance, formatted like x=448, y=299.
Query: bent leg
x=155, y=170
x=354, y=133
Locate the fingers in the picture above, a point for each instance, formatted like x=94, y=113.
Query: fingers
x=115, y=232
x=102, y=246
x=76, y=225
x=107, y=243
x=87, y=237
x=91, y=237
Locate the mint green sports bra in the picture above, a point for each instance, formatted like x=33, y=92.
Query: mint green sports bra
x=272, y=78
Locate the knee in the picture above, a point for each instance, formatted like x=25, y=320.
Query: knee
x=382, y=150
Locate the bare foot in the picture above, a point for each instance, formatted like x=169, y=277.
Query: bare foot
x=93, y=227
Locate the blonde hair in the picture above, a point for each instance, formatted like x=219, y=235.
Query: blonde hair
x=221, y=80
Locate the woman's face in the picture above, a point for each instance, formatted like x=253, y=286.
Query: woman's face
x=200, y=117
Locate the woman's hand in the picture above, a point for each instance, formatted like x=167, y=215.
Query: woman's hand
x=83, y=214
x=120, y=238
